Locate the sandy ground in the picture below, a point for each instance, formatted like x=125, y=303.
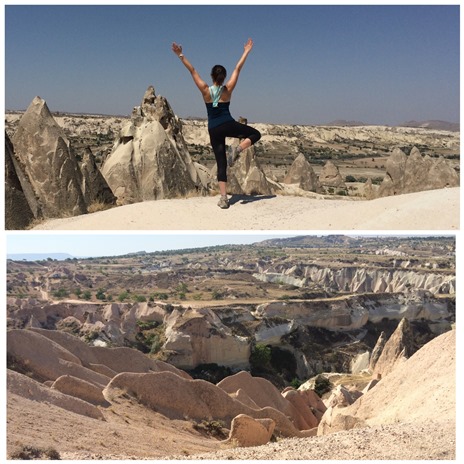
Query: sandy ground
x=428, y=210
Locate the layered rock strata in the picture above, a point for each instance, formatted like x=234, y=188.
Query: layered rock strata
x=357, y=279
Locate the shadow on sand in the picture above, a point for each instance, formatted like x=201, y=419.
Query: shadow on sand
x=244, y=199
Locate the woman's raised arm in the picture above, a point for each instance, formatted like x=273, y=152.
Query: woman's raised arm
x=199, y=82
x=232, y=82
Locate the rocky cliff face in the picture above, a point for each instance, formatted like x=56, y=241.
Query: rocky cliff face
x=18, y=213
x=196, y=337
x=150, y=160
x=356, y=279
x=226, y=335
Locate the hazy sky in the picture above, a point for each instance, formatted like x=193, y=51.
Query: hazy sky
x=310, y=64
x=104, y=244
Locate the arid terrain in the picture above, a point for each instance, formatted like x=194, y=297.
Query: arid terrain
x=359, y=151
x=219, y=332
x=154, y=171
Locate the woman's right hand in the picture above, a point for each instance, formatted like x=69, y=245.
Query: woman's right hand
x=177, y=49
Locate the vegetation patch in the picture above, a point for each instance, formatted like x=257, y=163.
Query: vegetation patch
x=27, y=452
x=215, y=429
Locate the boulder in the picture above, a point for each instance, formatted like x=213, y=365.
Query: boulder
x=246, y=431
x=336, y=420
x=302, y=173
x=49, y=163
x=341, y=396
x=150, y=160
x=18, y=213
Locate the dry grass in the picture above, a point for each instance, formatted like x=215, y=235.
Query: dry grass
x=97, y=206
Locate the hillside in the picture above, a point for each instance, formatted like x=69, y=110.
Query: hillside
x=127, y=430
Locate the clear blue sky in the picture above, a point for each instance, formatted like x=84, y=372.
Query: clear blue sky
x=93, y=245
x=310, y=64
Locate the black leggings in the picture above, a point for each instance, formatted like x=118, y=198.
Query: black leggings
x=218, y=136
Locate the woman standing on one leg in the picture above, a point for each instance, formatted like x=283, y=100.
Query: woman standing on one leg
x=220, y=122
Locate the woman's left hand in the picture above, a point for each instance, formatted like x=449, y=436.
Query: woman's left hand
x=177, y=49
x=248, y=46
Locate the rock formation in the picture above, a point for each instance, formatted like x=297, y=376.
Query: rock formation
x=50, y=165
x=302, y=173
x=79, y=388
x=18, y=213
x=330, y=177
x=196, y=337
x=246, y=431
x=224, y=335
x=22, y=385
x=177, y=398
x=298, y=406
x=94, y=186
x=415, y=173
x=150, y=160
x=424, y=382
x=246, y=176
x=369, y=191
x=356, y=279
x=398, y=348
x=377, y=351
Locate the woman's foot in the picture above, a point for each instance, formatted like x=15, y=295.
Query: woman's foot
x=223, y=202
x=233, y=155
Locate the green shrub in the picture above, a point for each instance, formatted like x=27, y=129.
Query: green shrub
x=296, y=383
x=260, y=356
x=322, y=385
x=122, y=296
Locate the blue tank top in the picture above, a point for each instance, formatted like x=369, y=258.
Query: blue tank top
x=218, y=112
